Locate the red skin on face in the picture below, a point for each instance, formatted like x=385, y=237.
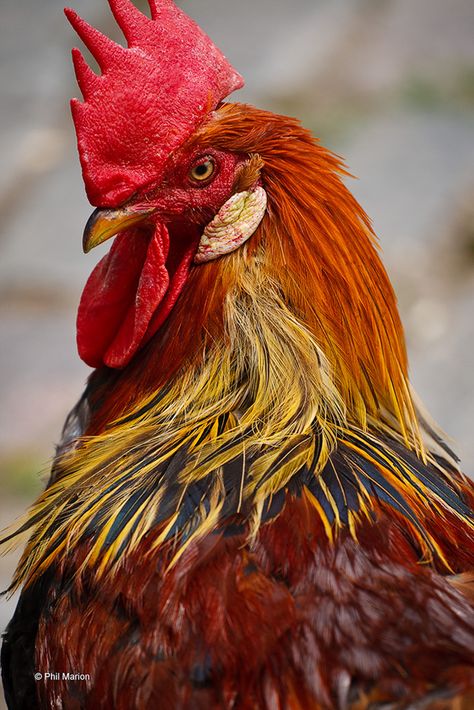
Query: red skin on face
x=134, y=287
x=148, y=101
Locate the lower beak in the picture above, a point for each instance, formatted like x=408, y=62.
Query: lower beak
x=106, y=223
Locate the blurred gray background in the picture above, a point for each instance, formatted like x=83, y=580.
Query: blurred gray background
x=388, y=84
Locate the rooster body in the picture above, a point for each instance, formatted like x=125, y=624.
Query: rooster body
x=247, y=509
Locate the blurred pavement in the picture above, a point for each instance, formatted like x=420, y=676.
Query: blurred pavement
x=389, y=84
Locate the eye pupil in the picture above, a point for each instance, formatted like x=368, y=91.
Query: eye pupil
x=203, y=170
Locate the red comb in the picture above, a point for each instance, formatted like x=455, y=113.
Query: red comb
x=149, y=99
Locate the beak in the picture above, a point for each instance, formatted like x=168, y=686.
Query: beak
x=105, y=223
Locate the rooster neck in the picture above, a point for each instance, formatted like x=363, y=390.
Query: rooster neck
x=281, y=371
x=316, y=247
x=228, y=443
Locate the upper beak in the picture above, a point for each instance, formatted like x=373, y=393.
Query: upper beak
x=106, y=223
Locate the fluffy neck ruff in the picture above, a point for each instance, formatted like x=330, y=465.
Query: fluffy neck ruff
x=222, y=441
x=282, y=362
x=316, y=248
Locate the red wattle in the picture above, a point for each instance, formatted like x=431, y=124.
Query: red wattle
x=121, y=297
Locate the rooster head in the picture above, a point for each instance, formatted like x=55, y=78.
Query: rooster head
x=171, y=201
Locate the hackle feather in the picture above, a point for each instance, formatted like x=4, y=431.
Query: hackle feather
x=278, y=361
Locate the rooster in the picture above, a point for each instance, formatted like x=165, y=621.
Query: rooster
x=248, y=508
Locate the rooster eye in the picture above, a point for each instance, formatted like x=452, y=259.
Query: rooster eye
x=203, y=170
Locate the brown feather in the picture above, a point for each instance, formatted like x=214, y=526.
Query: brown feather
x=291, y=622
x=294, y=610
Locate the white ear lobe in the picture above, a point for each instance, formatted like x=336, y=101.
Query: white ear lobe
x=235, y=222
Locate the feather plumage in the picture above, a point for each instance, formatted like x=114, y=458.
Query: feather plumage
x=260, y=465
